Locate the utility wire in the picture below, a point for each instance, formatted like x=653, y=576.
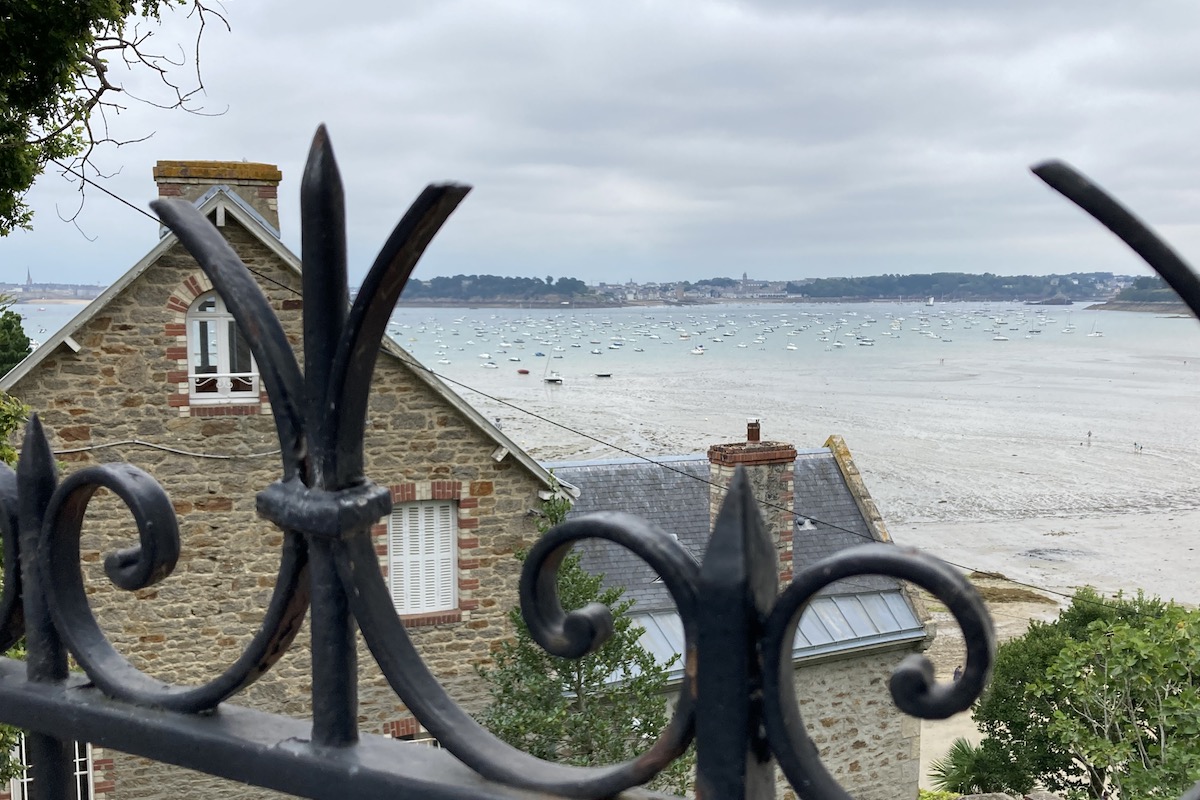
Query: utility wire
x=165, y=448
x=108, y=192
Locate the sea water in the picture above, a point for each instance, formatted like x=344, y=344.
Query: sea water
x=783, y=339
x=955, y=411
x=43, y=320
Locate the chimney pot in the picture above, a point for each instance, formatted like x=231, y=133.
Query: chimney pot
x=753, y=430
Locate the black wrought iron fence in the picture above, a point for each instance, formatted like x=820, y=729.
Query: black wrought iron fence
x=738, y=702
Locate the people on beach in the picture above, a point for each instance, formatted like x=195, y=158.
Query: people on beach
x=958, y=672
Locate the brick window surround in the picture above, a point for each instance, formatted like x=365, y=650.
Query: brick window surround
x=466, y=494
x=175, y=338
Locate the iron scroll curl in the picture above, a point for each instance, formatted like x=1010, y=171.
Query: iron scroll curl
x=567, y=635
x=912, y=683
x=138, y=567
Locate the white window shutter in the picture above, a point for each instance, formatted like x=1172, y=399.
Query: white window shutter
x=444, y=556
x=422, y=542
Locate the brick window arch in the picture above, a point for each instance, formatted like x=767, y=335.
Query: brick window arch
x=189, y=305
x=220, y=367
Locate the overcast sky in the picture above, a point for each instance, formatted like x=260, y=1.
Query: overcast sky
x=673, y=139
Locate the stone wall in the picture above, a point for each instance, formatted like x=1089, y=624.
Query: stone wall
x=869, y=746
x=112, y=401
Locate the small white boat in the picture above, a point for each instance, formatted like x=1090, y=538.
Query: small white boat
x=553, y=377
x=999, y=337
x=489, y=365
x=698, y=350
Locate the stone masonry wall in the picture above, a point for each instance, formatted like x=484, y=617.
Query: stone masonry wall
x=869, y=746
x=190, y=627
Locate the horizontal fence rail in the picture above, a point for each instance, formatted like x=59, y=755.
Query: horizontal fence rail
x=738, y=702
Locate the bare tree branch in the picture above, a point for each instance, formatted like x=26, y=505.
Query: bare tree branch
x=96, y=91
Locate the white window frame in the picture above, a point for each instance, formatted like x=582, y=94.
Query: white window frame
x=83, y=775
x=212, y=333
x=423, y=556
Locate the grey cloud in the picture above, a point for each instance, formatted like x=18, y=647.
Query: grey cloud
x=681, y=139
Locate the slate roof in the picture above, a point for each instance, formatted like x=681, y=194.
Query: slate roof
x=828, y=519
x=673, y=493
x=673, y=496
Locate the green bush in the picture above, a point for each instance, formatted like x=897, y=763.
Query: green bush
x=925, y=794
x=1019, y=749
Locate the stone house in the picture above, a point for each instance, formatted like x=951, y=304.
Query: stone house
x=814, y=504
x=155, y=372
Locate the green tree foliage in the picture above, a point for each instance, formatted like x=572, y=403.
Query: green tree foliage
x=1125, y=701
x=55, y=83
x=485, y=288
x=14, y=344
x=962, y=771
x=1148, y=290
x=604, y=708
x=1019, y=749
x=13, y=414
x=959, y=286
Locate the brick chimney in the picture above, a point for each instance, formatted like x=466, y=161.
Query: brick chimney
x=771, y=468
x=257, y=184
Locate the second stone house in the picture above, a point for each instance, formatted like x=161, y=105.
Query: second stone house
x=814, y=504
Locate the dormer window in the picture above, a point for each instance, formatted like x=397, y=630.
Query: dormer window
x=220, y=367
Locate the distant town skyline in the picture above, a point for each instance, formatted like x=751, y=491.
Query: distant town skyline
x=654, y=142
